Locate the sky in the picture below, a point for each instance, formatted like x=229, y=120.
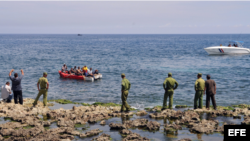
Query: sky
x=128, y=17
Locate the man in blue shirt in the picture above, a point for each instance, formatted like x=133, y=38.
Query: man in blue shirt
x=16, y=86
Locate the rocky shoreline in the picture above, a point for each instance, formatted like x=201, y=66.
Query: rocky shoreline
x=27, y=123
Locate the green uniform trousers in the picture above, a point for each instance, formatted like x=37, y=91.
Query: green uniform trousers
x=198, y=97
x=124, y=101
x=44, y=93
x=170, y=94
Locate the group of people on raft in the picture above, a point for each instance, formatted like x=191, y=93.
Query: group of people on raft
x=79, y=71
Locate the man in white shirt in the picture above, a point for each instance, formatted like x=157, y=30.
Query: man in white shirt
x=6, y=92
x=90, y=72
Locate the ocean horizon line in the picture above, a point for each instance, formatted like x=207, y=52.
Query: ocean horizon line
x=123, y=34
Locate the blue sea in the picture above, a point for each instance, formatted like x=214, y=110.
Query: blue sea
x=145, y=59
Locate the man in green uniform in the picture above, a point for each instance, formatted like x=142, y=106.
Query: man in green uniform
x=125, y=88
x=169, y=85
x=44, y=86
x=199, y=88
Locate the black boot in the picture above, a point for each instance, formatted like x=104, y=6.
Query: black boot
x=162, y=109
x=127, y=110
x=195, y=107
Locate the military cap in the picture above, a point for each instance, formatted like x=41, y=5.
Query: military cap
x=199, y=74
x=169, y=74
x=44, y=73
x=123, y=74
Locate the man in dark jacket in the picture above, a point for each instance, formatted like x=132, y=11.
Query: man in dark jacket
x=16, y=86
x=210, y=88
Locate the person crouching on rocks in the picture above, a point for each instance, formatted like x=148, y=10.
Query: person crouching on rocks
x=6, y=93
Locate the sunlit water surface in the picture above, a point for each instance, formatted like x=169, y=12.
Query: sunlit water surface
x=145, y=59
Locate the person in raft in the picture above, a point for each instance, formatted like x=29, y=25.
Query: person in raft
x=64, y=68
x=72, y=71
x=96, y=72
x=90, y=73
x=75, y=69
x=43, y=90
x=79, y=72
x=85, y=70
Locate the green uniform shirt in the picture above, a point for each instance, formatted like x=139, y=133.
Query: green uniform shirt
x=125, y=84
x=43, y=82
x=199, y=84
x=170, y=83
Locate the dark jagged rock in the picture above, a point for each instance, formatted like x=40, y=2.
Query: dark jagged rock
x=176, y=115
x=136, y=123
x=118, y=114
x=157, y=115
x=26, y=116
x=126, y=132
x=237, y=110
x=222, y=113
x=153, y=125
x=65, y=123
x=237, y=116
x=91, y=133
x=141, y=113
x=12, y=125
x=6, y=132
x=103, y=122
x=164, y=114
x=220, y=129
x=205, y=126
x=27, y=125
x=246, y=121
x=117, y=126
x=16, y=139
x=172, y=127
x=135, y=137
x=103, y=137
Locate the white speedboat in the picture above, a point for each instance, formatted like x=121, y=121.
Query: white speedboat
x=234, y=47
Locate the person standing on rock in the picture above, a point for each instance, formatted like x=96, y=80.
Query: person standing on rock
x=16, y=87
x=125, y=88
x=210, y=88
x=169, y=85
x=44, y=86
x=199, y=88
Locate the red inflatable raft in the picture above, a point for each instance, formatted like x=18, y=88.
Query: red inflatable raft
x=79, y=77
